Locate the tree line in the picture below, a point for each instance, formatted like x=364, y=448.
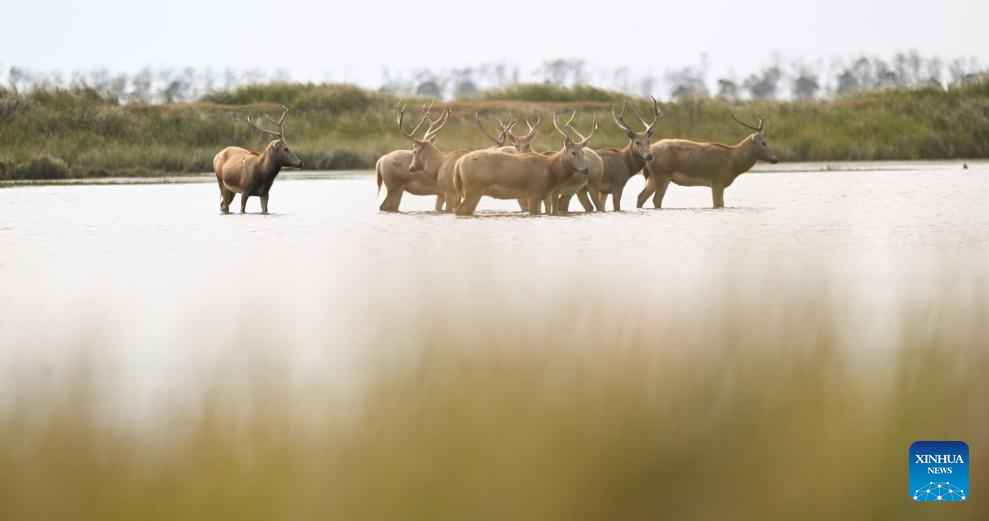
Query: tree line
x=781, y=78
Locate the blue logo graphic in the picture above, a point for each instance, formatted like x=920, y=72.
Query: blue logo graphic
x=939, y=471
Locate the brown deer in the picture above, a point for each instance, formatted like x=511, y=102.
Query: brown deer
x=393, y=170
x=586, y=188
x=688, y=163
x=520, y=144
x=240, y=171
x=621, y=165
x=434, y=162
x=528, y=176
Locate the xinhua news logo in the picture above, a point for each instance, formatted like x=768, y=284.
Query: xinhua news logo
x=939, y=471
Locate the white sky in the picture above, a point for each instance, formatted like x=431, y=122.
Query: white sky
x=354, y=40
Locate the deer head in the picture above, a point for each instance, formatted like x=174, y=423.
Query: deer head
x=419, y=146
x=573, y=150
x=639, y=140
x=278, y=150
x=756, y=141
x=523, y=143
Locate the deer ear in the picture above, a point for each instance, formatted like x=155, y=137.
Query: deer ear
x=631, y=135
x=649, y=133
x=568, y=143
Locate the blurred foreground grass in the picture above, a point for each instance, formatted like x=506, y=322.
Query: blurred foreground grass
x=749, y=404
x=46, y=134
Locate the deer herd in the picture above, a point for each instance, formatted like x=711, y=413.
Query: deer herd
x=537, y=180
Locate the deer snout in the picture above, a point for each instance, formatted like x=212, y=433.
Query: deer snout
x=648, y=157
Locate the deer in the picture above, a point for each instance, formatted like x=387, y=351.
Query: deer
x=240, y=171
x=530, y=176
x=438, y=164
x=520, y=144
x=393, y=169
x=689, y=163
x=621, y=165
x=578, y=185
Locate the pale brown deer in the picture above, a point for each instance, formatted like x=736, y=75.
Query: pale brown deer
x=520, y=144
x=240, y=171
x=393, y=169
x=688, y=163
x=530, y=176
x=586, y=188
x=621, y=165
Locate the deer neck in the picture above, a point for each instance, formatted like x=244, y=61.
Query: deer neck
x=269, y=166
x=431, y=160
x=632, y=160
x=558, y=169
x=743, y=156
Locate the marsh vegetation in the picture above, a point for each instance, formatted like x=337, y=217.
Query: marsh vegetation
x=79, y=132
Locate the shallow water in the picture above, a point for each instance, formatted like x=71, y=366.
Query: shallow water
x=156, y=272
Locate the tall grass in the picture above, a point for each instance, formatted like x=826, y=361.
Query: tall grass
x=747, y=405
x=342, y=126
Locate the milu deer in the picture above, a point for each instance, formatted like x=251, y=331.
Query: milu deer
x=520, y=144
x=621, y=165
x=444, y=176
x=688, y=163
x=240, y=171
x=560, y=198
x=393, y=169
x=530, y=176
x=587, y=189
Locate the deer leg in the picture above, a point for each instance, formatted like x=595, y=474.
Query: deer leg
x=649, y=189
x=718, y=194
x=585, y=201
x=440, y=200
x=264, y=204
x=616, y=198
x=534, y=205
x=392, y=200
x=243, y=202
x=469, y=204
x=524, y=206
x=661, y=185
x=226, y=196
x=452, y=201
x=598, y=198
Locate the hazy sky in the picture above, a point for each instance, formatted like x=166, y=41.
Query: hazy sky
x=356, y=39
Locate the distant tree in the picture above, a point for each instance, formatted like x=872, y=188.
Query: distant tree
x=805, y=85
x=141, y=85
x=727, y=89
x=647, y=86
x=429, y=89
x=847, y=82
x=687, y=82
x=563, y=72
x=765, y=84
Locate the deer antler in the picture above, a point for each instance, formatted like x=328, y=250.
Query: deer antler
x=281, y=129
x=532, y=131
x=500, y=141
x=583, y=140
x=562, y=127
x=435, y=126
x=620, y=118
x=657, y=113
x=400, y=116
x=762, y=123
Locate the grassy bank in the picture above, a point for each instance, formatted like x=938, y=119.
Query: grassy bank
x=785, y=410
x=80, y=133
